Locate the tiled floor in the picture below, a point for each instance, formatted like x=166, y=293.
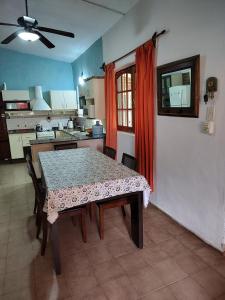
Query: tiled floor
x=174, y=264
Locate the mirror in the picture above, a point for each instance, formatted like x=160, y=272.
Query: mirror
x=178, y=88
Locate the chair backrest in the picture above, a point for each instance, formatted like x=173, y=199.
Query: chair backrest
x=32, y=174
x=110, y=152
x=129, y=161
x=65, y=146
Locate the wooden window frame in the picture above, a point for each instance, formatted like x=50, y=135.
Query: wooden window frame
x=132, y=71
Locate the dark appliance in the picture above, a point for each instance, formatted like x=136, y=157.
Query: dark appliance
x=5, y=153
x=16, y=105
x=39, y=128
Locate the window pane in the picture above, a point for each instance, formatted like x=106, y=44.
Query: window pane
x=120, y=118
x=125, y=118
x=124, y=100
x=129, y=82
x=129, y=99
x=119, y=100
x=124, y=81
x=130, y=121
x=119, y=86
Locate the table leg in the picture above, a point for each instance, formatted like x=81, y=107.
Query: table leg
x=55, y=248
x=136, y=206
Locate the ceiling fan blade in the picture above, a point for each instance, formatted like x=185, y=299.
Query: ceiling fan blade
x=45, y=41
x=10, y=38
x=56, y=31
x=9, y=24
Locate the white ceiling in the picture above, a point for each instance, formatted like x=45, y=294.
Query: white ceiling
x=88, y=22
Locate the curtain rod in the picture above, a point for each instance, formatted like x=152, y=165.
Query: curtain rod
x=154, y=37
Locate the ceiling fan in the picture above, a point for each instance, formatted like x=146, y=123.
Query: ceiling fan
x=30, y=31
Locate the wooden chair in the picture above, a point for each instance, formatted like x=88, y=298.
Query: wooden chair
x=110, y=152
x=70, y=212
x=41, y=217
x=65, y=146
x=39, y=193
x=130, y=162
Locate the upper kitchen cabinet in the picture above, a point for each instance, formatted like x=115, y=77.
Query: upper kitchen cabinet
x=14, y=95
x=94, y=88
x=63, y=100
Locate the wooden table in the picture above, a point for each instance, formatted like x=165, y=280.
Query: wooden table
x=79, y=176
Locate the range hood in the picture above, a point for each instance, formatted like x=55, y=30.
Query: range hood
x=39, y=102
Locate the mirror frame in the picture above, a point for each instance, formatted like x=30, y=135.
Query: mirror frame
x=193, y=63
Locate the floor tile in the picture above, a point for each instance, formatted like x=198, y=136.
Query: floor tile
x=210, y=256
x=95, y=294
x=161, y=294
x=190, y=241
x=108, y=270
x=54, y=289
x=132, y=262
x=211, y=281
x=220, y=268
x=173, y=247
x=169, y=271
x=119, y=288
x=190, y=263
x=99, y=254
x=81, y=286
x=145, y=280
x=158, y=235
x=188, y=289
x=120, y=247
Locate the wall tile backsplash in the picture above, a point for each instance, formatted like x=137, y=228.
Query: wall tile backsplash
x=30, y=123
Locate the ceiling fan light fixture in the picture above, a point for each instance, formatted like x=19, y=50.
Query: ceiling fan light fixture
x=28, y=36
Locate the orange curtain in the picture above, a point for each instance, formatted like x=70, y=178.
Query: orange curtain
x=110, y=106
x=144, y=110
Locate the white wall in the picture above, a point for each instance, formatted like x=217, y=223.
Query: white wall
x=190, y=166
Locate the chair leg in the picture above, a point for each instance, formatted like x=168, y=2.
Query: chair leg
x=45, y=234
x=35, y=205
x=101, y=222
x=38, y=222
x=92, y=210
x=83, y=225
x=123, y=210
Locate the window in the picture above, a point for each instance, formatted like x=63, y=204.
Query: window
x=125, y=92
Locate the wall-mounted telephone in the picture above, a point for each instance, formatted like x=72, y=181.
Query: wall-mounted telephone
x=208, y=126
x=211, y=88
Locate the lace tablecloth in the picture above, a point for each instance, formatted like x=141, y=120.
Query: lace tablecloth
x=78, y=176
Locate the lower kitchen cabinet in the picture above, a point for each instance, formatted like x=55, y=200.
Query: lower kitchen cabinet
x=19, y=140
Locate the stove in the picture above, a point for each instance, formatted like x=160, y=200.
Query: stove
x=46, y=134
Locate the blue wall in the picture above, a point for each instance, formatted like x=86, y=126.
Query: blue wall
x=23, y=71
x=89, y=62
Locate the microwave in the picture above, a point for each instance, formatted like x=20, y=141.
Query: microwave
x=16, y=105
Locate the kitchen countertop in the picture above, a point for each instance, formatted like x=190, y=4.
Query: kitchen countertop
x=21, y=131
x=72, y=135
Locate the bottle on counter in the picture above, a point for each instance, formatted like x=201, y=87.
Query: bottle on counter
x=97, y=130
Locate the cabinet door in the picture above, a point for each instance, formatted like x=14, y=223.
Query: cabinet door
x=26, y=137
x=8, y=95
x=70, y=99
x=57, y=100
x=16, y=146
x=98, y=88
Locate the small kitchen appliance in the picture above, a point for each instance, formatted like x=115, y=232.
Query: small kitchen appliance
x=39, y=128
x=70, y=124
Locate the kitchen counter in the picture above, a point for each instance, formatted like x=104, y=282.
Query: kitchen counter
x=21, y=131
x=62, y=139
x=66, y=136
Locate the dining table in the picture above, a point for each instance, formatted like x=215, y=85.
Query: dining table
x=79, y=176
